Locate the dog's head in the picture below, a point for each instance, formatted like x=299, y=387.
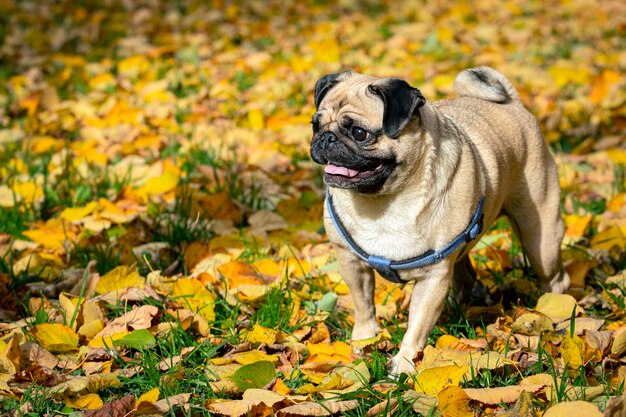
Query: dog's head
x=363, y=130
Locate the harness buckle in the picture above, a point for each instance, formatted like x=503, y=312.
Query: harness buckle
x=383, y=267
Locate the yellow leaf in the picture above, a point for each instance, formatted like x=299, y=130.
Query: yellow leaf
x=446, y=340
x=618, y=156
x=326, y=50
x=192, y=294
x=121, y=277
x=608, y=239
x=28, y=191
x=260, y=334
x=7, y=197
x=57, y=338
x=564, y=73
x=160, y=185
x=85, y=402
x=150, y=397
x=602, y=85
x=532, y=324
x=575, y=225
x=102, y=81
x=255, y=119
x=42, y=144
x=454, y=402
x=133, y=65
x=77, y=213
x=557, y=306
x=86, y=384
x=246, y=358
x=106, y=341
x=573, y=409
x=280, y=387
x=10, y=356
x=36, y=264
x=91, y=328
x=572, y=350
x=267, y=267
x=432, y=381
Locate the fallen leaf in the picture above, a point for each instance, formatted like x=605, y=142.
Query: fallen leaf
x=522, y=408
x=557, y=306
x=498, y=395
x=260, y=334
x=56, y=338
x=432, y=381
x=573, y=409
x=119, y=278
x=85, y=402
x=115, y=408
x=325, y=408
x=254, y=375
x=453, y=402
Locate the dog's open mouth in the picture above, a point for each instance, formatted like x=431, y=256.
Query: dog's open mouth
x=364, y=178
x=352, y=174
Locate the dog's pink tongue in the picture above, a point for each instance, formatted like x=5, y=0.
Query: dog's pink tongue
x=343, y=171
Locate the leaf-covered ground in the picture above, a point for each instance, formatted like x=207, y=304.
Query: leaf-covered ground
x=161, y=243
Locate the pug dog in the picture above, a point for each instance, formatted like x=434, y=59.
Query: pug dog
x=412, y=185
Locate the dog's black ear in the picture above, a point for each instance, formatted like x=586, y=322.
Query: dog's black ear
x=323, y=86
x=401, y=101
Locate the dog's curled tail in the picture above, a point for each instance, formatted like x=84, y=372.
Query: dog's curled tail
x=485, y=83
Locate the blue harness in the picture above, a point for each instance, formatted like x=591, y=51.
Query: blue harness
x=388, y=268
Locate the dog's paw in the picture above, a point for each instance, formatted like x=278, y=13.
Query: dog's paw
x=400, y=364
x=365, y=331
x=560, y=284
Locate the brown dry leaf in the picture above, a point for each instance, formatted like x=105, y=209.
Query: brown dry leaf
x=225, y=388
x=162, y=406
x=116, y=408
x=388, y=407
x=87, y=384
x=266, y=221
x=326, y=408
x=619, y=342
x=616, y=407
x=241, y=408
x=33, y=353
x=573, y=409
x=522, y=408
x=598, y=339
x=499, y=395
x=137, y=318
x=40, y=375
x=421, y=403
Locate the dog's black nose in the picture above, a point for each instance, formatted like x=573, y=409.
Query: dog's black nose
x=326, y=139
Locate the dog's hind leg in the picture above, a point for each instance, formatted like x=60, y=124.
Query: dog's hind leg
x=533, y=206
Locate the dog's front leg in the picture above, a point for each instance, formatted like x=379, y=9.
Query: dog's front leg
x=360, y=280
x=427, y=302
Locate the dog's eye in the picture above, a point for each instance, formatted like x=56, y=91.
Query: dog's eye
x=359, y=134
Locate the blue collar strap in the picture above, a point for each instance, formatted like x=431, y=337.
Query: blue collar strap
x=387, y=268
